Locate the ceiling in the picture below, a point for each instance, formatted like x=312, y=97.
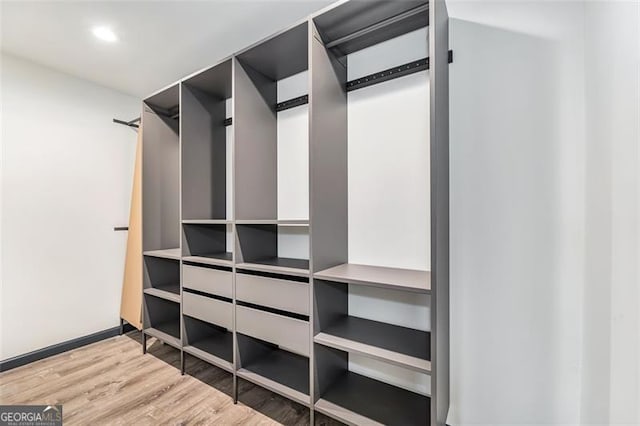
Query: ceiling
x=159, y=41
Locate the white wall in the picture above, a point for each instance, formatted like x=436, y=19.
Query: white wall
x=544, y=212
x=611, y=366
x=66, y=182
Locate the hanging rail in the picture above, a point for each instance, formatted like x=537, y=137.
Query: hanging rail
x=131, y=123
x=359, y=83
x=384, y=23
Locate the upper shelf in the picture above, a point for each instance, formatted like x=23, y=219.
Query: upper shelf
x=166, y=100
x=278, y=265
x=216, y=259
x=355, y=25
x=280, y=56
x=391, y=343
x=173, y=253
x=394, y=278
x=206, y=221
x=282, y=222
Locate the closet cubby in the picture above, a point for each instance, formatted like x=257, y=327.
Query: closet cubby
x=372, y=337
x=261, y=72
x=276, y=369
x=360, y=400
x=260, y=248
x=161, y=173
x=208, y=342
x=205, y=146
x=206, y=244
x=162, y=278
x=162, y=319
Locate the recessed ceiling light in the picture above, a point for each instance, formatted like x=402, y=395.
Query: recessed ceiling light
x=105, y=34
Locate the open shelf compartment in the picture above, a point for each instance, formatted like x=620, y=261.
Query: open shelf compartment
x=270, y=144
x=351, y=26
x=162, y=278
x=395, y=278
x=356, y=399
x=208, y=342
x=276, y=369
x=205, y=148
x=259, y=249
x=204, y=243
x=402, y=346
x=161, y=174
x=162, y=319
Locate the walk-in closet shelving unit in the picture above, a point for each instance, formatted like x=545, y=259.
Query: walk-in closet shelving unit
x=263, y=192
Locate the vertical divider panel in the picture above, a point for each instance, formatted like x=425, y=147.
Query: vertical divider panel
x=328, y=194
x=256, y=143
x=234, y=235
x=181, y=103
x=439, y=120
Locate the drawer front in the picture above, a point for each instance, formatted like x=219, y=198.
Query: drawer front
x=206, y=309
x=289, y=333
x=290, y=296
x=207, y=280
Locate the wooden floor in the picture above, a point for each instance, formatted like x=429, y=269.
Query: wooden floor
x=111, y=382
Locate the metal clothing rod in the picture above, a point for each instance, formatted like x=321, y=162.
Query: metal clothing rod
x=386, y=22
x=128, y=123
x=359, y=83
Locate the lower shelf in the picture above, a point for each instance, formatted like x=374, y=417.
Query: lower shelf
x=219, y=259
x=171, y=293
x=399, y=345
x=278, y=265
x=282, y=372
x=208, y=342
x=356, y=399
x=206, y=355
x=168, y=332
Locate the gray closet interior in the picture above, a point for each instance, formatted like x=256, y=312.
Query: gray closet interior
x=223, y=281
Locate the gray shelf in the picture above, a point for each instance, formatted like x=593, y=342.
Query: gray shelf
x=397, y=345
x=170, y=293
x=216, y=259
x=356, y=399
x=166, y=332
x=173, y=253
x=394, y=278
x=352, y=26
x=278, y=265
x=207, y=221
x=281, y=222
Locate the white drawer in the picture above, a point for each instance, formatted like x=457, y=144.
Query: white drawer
x=290, y=296
x=288, y=333
x=207, y=309
x=208, y=280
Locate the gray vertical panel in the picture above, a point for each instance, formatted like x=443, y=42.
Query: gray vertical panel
x=160, y=181
x=328, y=157
x=331, y=303
x=203, y=155
x=439, y=122
x=256, y=144
x=330, y=364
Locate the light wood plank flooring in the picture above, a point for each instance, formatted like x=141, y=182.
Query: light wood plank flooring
x=111, y=382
